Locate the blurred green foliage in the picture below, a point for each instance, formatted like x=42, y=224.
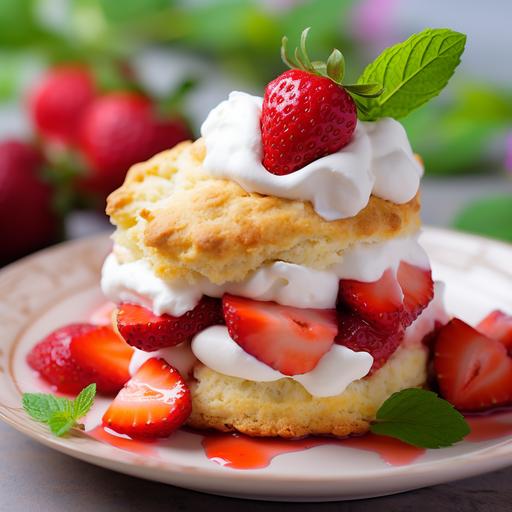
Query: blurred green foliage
x=454, y=134
x=491, y=216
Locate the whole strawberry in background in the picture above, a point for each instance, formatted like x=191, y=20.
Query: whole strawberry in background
x=58, y=101
x=307, y=113
x=120, y=129
x=27, y=220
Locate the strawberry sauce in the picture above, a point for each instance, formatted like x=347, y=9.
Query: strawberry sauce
x=144, y=448
x=488, y=427
x=243, y=452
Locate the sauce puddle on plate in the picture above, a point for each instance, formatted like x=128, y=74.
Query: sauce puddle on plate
x=489, y=427
x=144, y=448
x=242, y=452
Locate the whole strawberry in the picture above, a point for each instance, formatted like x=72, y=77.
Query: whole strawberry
x=119, y=130
x=28, y=221
x=307, y=113
x=58, y=101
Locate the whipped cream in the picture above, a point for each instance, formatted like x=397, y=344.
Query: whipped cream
x=379, y=160
x=180, y=356
x=285, y=283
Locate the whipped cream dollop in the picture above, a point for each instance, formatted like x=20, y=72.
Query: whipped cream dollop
x=285, y=283
x=379, y=160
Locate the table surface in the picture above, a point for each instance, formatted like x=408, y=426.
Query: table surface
x=32, y=475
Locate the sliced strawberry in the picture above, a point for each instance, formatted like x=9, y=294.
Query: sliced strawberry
x=146, y=331
x=498, y=326
x=154, y=403
x=358, y=335
x=418, y=289
x=103, y=353
x=378, y=302
x=52, y=358
x=290, y=340
x=474, y=372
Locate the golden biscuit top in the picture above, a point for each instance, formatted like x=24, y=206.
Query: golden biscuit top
x=187, y=223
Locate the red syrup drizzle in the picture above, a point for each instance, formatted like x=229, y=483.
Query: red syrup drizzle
x=488, y=427
x=242, y=452
x=143, y=448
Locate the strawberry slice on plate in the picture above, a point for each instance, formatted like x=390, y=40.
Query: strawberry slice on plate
x=290, y=340
x=498, y=326
x=104, y=353
x=418, y=289
x=474, y=372
x=378, y=302
x=142, y=329
x=360, y=336
x=52, y=359
x=77, y=355
x=153, y=404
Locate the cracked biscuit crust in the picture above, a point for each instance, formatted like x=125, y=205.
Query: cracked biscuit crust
x=188, y=224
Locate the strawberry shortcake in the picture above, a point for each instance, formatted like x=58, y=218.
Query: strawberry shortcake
x=268, y=277
x=275, y=261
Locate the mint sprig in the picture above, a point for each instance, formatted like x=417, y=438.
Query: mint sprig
x=420, y=418
x=60, y=414
x=411, y=73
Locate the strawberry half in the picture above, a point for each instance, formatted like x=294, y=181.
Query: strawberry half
x=378, y=302
x=418, y=289
x=290, y=340
x=154, y=403
x=52, y=359
x=474, y=372
x=105, y=355
x=358, y=335
x=498, y=326
x=146, y=331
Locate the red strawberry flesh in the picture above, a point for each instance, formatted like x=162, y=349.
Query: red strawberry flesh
x=103, y=353
x=153, y=404
x=498, y=326
x=290, y=340
x=474, y=372
x=146, y=331
x=378, y=302
x=52, y=359
x=358, y=335
x=418, y=289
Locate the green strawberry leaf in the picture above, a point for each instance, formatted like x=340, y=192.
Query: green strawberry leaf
x=412, y=72
x=491, y=216
x=420, y=418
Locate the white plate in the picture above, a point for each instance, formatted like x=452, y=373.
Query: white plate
x=60, y=285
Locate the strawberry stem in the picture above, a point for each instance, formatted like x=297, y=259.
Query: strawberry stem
x=334, y=68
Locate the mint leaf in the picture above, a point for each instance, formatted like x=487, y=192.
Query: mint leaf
x=83, y=402
x=61, y=422
x=60, y=414
x=41, y=406
x=420, y=418
x=412, y=72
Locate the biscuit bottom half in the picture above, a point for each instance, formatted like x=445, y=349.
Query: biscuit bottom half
x=284, y=408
